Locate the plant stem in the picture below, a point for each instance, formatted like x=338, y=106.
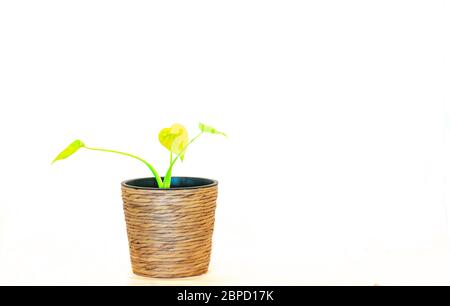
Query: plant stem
x=168, y=176
x=152, y=169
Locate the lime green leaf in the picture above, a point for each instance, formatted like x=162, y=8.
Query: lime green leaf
x=174, y=139
x=209, y=129
x=72, y=148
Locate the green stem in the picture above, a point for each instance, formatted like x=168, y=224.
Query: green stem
x=152, y=169
x=168, y=176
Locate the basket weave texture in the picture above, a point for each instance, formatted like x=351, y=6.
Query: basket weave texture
x=170, y=230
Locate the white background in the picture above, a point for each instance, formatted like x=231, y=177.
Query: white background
x=337, y=163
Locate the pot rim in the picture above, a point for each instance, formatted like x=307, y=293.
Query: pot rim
x=211, y=183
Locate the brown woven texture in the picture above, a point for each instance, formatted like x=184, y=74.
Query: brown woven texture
x=170, y=231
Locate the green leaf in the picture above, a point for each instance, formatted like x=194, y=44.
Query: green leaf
x=174, y=139
x=209, y=129
x=72, y=148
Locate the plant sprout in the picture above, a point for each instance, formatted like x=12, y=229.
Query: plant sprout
x=175, y=139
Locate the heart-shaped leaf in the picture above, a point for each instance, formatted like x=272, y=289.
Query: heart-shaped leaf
x=209, y=129
x=72, y=148
x=174, y=139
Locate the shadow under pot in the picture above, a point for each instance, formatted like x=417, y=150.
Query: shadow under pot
x=170, y=230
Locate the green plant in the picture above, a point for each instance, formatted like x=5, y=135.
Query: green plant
x=175, y=139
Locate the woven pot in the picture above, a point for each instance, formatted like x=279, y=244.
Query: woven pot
x=170, y=230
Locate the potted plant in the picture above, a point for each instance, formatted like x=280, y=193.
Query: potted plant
x=170, y=220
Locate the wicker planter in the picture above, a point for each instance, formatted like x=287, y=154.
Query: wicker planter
x=170, y=230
